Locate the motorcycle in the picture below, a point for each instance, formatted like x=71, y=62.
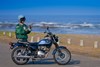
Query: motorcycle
x=23, y=51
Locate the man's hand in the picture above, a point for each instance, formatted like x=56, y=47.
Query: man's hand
x=30, y=26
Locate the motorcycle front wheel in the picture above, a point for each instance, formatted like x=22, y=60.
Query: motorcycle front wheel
x=19, y=51
x=62, y=56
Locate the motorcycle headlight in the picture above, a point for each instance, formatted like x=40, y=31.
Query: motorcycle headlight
x=58, y=42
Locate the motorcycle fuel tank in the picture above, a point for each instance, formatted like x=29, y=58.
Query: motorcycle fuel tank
x=45, y=42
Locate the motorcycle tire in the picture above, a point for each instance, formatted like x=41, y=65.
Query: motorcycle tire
x=67, y=60
x=16, y=60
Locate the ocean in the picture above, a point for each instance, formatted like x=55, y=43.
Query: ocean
x=60, y=24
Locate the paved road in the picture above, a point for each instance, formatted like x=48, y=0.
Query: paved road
x=77, y=60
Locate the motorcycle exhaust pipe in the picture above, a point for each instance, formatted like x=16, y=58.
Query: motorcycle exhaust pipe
x=23, y=57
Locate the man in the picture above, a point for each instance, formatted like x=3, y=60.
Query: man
x=22, y=30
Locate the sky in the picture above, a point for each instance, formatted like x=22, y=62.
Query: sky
x=50, y=7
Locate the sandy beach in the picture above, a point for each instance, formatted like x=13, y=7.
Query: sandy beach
x=76, y=40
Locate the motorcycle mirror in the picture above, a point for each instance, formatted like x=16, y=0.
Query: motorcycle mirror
x=47, y=28
x=45, y=32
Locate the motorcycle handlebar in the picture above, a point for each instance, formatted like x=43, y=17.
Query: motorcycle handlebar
x=48, y=31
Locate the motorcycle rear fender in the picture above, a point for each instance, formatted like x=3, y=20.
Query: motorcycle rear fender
x=55, y=50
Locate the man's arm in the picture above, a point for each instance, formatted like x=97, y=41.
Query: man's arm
x=28, y=29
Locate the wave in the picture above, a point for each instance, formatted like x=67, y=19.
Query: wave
x=55, y=25
x=68, y=25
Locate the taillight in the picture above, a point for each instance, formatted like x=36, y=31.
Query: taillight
x=11, y=45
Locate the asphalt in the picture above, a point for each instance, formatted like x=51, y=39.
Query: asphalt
x=76, y=61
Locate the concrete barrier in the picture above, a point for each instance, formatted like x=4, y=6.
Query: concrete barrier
x=38, y=39
x=81, y=43
x=32, y=39
x=4, y=33
x=96, y=44
x=69, y=41
x=10, y=34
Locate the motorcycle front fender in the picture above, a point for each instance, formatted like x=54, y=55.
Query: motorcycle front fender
x=55, y=50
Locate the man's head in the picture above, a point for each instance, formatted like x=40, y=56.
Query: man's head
x=21, y=18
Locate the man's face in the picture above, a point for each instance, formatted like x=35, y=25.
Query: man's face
x=23, y=22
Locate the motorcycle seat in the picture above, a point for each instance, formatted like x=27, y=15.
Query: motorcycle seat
x=33, y=44
x=24, y=42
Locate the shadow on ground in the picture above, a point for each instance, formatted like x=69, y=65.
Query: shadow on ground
x=42, y=61
x=51, y=61
x=74, y=62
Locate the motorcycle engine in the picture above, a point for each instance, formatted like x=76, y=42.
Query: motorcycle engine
x=42, y=51
x=41, y=54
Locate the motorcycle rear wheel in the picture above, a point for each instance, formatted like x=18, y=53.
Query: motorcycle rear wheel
x=16, y=52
